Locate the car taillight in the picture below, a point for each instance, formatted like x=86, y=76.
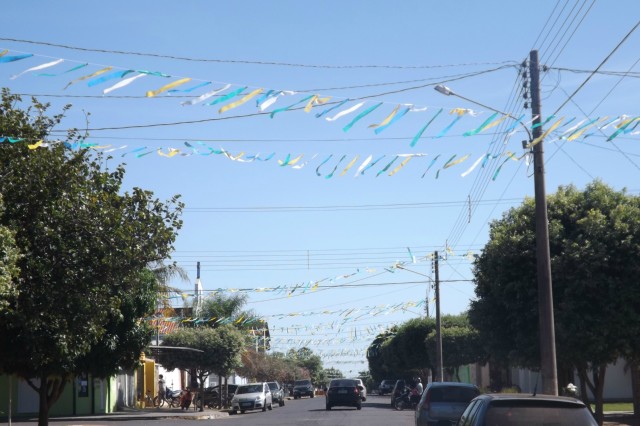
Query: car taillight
x=425, y=407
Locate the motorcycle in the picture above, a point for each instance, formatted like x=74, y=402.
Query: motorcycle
x=405, y=400
x=173, y=397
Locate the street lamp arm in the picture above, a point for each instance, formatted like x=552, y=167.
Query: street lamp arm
x=448, y=92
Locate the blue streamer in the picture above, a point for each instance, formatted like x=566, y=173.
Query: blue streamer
x=228, y=96
x=551, y=117
x=370, y=165
x=321, y=164
x=326, y=111
x=330, y=175
x=446, y=129
x=264, y=97
x=77, y=67
x=393, y=120
x=430, y=165
x=290, y=106
x=4, y=59
x=359, y=116
x=191, y=89
x=419, y=135
x=387, y=166
x=111, y=76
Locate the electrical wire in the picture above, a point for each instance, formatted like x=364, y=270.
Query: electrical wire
x=232, y=61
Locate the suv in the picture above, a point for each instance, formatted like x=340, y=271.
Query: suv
x=444, y=402
x=386, y=386
x=521, y=409
x=277, y=393
x=302, y=388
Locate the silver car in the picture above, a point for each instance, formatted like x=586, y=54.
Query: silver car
x=443, y=402
x=252, y=396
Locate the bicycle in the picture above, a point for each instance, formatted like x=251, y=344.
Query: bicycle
x=173, y=400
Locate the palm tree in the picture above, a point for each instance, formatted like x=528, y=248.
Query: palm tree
x=164, y=274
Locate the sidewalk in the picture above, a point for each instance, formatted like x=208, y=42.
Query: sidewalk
x=133, y=414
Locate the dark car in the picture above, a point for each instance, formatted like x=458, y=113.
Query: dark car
x=212, y=396
x=398, y=389
x=386, y=386
x=344, y=393
x=443, y=402
x=302, y=388
x=526, y=409
x=277, y=393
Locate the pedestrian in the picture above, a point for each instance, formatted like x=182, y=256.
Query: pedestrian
x=185, y=399
x=419, y=386
x=161, y=387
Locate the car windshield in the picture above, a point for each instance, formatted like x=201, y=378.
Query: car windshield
x=302, y=382
x=249, y=389
x=538, y=415
x=273, y=386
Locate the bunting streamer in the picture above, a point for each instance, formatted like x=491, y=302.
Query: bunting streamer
x=240, y=102
x=113, y=75
x=327, y=110
x=274, y=112
x=345, y=112
x=152, y=93
x=122, y=83
x=544, y=135
x=88, y=76
x=482, y=126
x=205, y=96
x=419, y=135
x=363, y=165
x=351, y=163
x=38, y=68
x=360, y=116
x=4, y=59
x=393, y=120
x=77, y=67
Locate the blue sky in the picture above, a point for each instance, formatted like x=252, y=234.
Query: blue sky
x=258, y=224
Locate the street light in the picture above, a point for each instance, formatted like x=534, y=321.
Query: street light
x=548, y=365
x=439, y=369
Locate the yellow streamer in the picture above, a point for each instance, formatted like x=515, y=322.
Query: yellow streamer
x=152, y=93
x=386, y=120
x=539, y=139
x=578, y=134
x=458, y=161
x=459, y=111
x=35, y=145
x=102, y=71
x=346, y=169
x=172, y=152
x=401, y=165
x=4, y=52
x=237, y=157
x=495, y=123
x=316, y=100
x=240, y=102
x=292, y=162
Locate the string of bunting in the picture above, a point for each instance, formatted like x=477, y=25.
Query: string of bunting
x=229, y=97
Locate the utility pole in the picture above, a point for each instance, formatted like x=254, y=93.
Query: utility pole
x=439, y=376
x=543, y=254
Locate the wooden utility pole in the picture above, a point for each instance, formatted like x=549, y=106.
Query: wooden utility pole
x=439, y=373
x=543, y=255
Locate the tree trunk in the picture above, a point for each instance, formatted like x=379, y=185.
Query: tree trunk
x=201, y=380
x=634, y=370
x=43, y=408
x=598, y=381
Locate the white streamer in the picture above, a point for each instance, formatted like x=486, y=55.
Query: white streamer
x=345, y=112
x=39, y=67
x=205, y=96
x=122, y=83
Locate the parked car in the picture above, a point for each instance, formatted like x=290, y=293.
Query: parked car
x=302, y=388
x=386, y=386
x=363, y=391
x=277, y=393
x=344, y=393
x=444, y=402
x=526, y=409
x=212, y=396
x=252, y=396
x=398, y=389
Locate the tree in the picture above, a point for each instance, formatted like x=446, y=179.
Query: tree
x=218, y=351
x=379, y=370
x=595, y=247
x=306, y=359
x=84, y=246
x=8, y=269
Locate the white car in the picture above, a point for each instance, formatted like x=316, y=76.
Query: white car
x=252, y=396
x=364, y=389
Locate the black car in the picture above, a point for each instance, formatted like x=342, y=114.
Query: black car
x=212, y=396
x=344, y=393
x=303, y=388
x=526, y=409
x=398, y=389
x=386, y=386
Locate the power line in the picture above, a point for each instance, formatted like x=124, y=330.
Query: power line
x=234, y=61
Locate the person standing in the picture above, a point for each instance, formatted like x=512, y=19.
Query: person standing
x=161, y=387
x=419, y=386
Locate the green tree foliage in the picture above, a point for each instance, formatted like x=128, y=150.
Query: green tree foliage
x=261, y=366
x=306, y=359
x=8, y=269
x=461, y=344
x=595, y=261
x=83, y=246
x=379, y=370
x=219, y=351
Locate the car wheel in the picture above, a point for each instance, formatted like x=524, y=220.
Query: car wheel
x=328, y=407
x=241, y=411
x=233, y=412
x=359, y=407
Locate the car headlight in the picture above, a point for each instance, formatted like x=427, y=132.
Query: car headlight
x=259, y=398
